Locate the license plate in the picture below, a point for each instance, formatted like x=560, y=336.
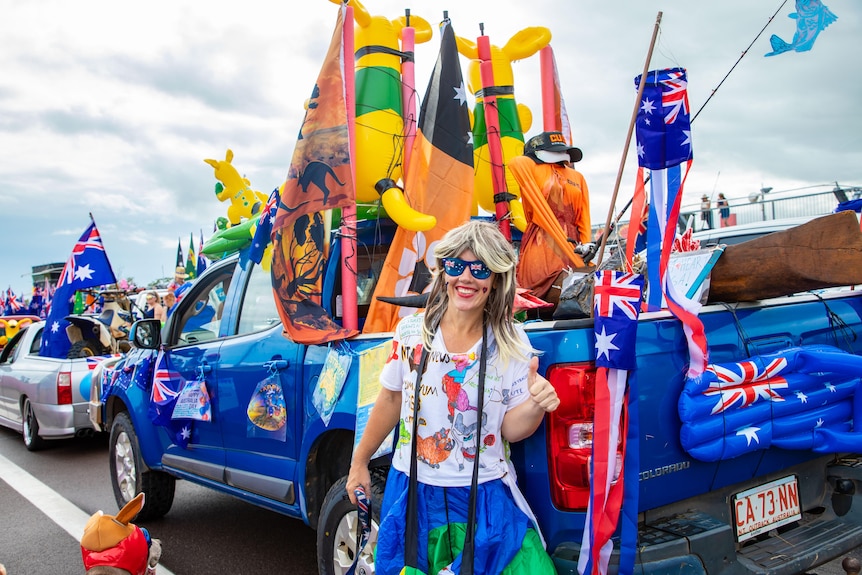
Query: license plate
x=766, y=507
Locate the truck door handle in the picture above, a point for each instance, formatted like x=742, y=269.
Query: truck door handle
x=276, y=364
x=206, y=368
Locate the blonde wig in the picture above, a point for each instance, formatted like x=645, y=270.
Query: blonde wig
x=490, y=245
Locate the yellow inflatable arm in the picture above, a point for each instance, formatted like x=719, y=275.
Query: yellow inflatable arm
x=515, y=119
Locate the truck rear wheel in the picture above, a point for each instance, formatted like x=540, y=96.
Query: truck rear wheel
x=130, y=475
x=32, y=441
x=337, y=528
x=85, y=348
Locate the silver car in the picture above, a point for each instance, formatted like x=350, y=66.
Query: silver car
x=43, y=398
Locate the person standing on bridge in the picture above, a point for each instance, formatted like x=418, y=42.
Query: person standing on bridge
x=466, y=331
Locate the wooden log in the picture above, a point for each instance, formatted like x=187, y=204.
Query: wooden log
x=825, y=252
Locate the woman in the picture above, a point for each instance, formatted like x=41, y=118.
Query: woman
x=154, y=308
x=472, y=295
x=705, y=212
x=170, y=301
x=724, y=210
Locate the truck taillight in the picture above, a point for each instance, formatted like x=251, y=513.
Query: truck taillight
x=570, y=434
x=64, y=388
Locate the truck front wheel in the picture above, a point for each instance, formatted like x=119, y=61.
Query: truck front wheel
x=337, y=528
x=130, y=475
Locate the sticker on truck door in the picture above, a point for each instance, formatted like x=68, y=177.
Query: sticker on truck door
x=267, y=412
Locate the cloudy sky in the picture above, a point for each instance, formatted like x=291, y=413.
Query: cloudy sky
x=111, y=107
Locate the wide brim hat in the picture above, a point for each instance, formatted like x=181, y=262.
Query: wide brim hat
x=181, y=272
x=552, y=142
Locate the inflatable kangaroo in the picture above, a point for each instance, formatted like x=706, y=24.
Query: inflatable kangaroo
x=379, y=124
x=115, y=546
x=515, y=119
x=244, y=202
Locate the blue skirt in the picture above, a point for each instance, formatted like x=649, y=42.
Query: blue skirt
x=501, y=529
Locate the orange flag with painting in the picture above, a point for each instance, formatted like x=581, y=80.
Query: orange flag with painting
x=319, y=178
x=439, y=182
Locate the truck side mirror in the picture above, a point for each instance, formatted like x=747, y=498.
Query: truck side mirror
x=146, y=333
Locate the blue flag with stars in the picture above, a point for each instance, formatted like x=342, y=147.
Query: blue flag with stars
x=88, y=266
x=263, y=232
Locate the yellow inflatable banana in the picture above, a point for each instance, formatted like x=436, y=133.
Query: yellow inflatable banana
x=515, y=119
x=379, y=127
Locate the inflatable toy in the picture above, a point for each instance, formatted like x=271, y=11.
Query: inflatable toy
x=244, y=202
x=379, y=127
x=229, y=239
x=113, y=544
x=11, y=325
x=515, y=119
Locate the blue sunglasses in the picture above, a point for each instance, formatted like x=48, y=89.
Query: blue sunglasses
x=455, y=267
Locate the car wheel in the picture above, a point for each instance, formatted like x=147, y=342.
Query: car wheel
x=85, y=348
x=130, y=475
x=337, y=528
x=32, y=441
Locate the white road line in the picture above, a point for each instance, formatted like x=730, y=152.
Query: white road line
x=58, y=509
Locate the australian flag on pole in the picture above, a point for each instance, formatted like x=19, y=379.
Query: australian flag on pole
x=616, y=305
x=261, y=238
x=88, y=266
x=663, y=130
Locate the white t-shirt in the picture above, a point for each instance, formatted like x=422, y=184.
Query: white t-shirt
x=448, y=406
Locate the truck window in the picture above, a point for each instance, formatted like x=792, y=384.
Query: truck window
x=37, y=343
x=201, y=318
x=11, y=350
x=258, y=309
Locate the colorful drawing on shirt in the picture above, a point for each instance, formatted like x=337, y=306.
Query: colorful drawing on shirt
x=453, y=385
x=434, y=448
x=464, y=437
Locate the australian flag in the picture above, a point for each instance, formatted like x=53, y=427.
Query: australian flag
x=88, y=266
x=663, y=144
x=202, y=262
x=263, y=232
x=12, y=304
x=807, y=397
x=167, y=384
x=616, y=304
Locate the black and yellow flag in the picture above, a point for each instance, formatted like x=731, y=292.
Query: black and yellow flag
x=439, y=183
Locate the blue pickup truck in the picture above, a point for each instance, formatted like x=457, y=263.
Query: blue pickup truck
x=694, y=516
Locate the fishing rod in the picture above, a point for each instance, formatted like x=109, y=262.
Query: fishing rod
x=609, y=226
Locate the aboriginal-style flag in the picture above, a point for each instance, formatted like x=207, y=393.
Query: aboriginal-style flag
x=439, y=183
x=319, y=179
